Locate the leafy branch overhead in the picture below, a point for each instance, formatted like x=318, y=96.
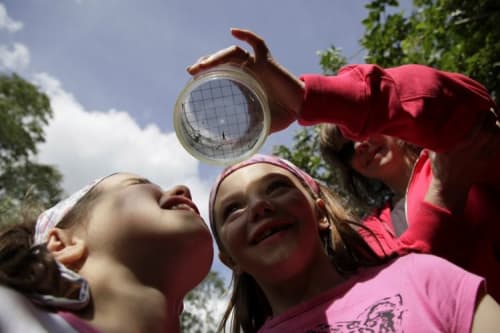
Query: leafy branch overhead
x=452, y=35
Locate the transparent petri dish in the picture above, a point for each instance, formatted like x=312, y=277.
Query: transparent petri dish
x=222, y=116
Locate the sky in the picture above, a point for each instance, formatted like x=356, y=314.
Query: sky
x=114, y=68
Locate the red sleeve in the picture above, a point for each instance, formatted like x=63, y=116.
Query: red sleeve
x=433, y=231
x=412, y=102
x=380, y=236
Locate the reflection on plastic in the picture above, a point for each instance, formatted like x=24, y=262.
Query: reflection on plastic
x=222, y=116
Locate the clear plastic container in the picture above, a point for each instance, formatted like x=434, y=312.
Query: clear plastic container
x=222, y=116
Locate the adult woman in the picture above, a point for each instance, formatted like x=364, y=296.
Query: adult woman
x=117, y=256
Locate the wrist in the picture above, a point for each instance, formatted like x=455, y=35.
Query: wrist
x=450, y=196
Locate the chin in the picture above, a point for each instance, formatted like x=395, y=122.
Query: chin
x=196, y=266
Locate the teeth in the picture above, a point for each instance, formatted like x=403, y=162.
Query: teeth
x=181, y=206
x=267, y=233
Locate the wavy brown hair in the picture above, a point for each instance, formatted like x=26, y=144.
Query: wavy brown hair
x=337, y=150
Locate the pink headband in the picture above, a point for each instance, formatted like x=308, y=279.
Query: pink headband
x=269, y=159
x=52, y=216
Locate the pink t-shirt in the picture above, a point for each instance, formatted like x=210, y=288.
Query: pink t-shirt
x=413, y=293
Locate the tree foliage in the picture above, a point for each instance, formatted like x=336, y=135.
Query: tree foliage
x=305, y=150
x=201, y=314
x=24, y=184
x=452, y=35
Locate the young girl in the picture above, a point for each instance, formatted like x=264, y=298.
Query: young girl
x=433, y=109
x=118, y=255
x=299, y=266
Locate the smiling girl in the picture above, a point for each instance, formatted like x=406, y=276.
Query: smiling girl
x=440, y=111
x=300, y=266
x=119, y=255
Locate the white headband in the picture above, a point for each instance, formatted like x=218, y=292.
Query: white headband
x=52, y=216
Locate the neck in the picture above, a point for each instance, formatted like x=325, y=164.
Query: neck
x=398, y=181
x=319, y=277
x=121, y=303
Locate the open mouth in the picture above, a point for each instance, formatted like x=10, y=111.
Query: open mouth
x=269, y=232
x=179, y=203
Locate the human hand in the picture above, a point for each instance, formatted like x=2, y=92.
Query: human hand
x=470, y=162
x=284, y=91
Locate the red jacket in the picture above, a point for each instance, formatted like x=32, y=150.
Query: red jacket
x=432, y=109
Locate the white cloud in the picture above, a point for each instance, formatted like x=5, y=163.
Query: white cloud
x=15, y=58
x=6, y=22
x=86, y=145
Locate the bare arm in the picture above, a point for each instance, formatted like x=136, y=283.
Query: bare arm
x=454, y=171
x=487, y=316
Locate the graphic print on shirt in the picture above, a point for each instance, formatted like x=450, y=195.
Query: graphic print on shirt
x=384, y=316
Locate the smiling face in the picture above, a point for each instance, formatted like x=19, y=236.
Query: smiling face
x=379, y=157
x=141, y=226
x=267, y=222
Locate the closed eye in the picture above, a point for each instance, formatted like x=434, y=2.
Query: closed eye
x=138, y=181
x=277, y=184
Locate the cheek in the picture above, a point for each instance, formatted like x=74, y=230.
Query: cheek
x=357, y=165
x=231, y=235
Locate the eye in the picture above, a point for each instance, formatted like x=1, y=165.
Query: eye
x=139, y=181
x=276, y=185
x=229, y=210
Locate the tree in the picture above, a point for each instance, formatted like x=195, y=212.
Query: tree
x=200, y=313
x=305, y=149
x=452, y=35
x=24, y=184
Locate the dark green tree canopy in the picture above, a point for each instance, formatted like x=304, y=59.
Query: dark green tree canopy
x=452, y=35
x=24, y=113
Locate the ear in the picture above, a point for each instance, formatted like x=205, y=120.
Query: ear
x=228, y=261
x=66, y=247
x=323, y=223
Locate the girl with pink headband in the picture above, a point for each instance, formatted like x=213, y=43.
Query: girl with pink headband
x=119, y=255
x=451, y=116
x=299, y=264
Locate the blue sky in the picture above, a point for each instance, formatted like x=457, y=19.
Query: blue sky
x=113, y=70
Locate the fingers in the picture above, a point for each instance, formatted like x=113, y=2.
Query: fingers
x=256, y=42
x=233, y=54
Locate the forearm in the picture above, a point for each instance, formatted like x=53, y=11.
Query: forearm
x=421, y=105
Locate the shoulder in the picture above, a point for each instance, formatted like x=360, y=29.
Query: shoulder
x=437, y=276
x=19, y=314
x=428, y=262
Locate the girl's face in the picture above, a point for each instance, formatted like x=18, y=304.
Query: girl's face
x=137, y=223
x=266, y=221
x=378, y=157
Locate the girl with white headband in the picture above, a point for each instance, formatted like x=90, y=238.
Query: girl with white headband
x=119, y=255
x=299, y=265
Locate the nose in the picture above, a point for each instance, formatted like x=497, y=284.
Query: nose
x=180, y=190
x=361, y=146
x=260, y=208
